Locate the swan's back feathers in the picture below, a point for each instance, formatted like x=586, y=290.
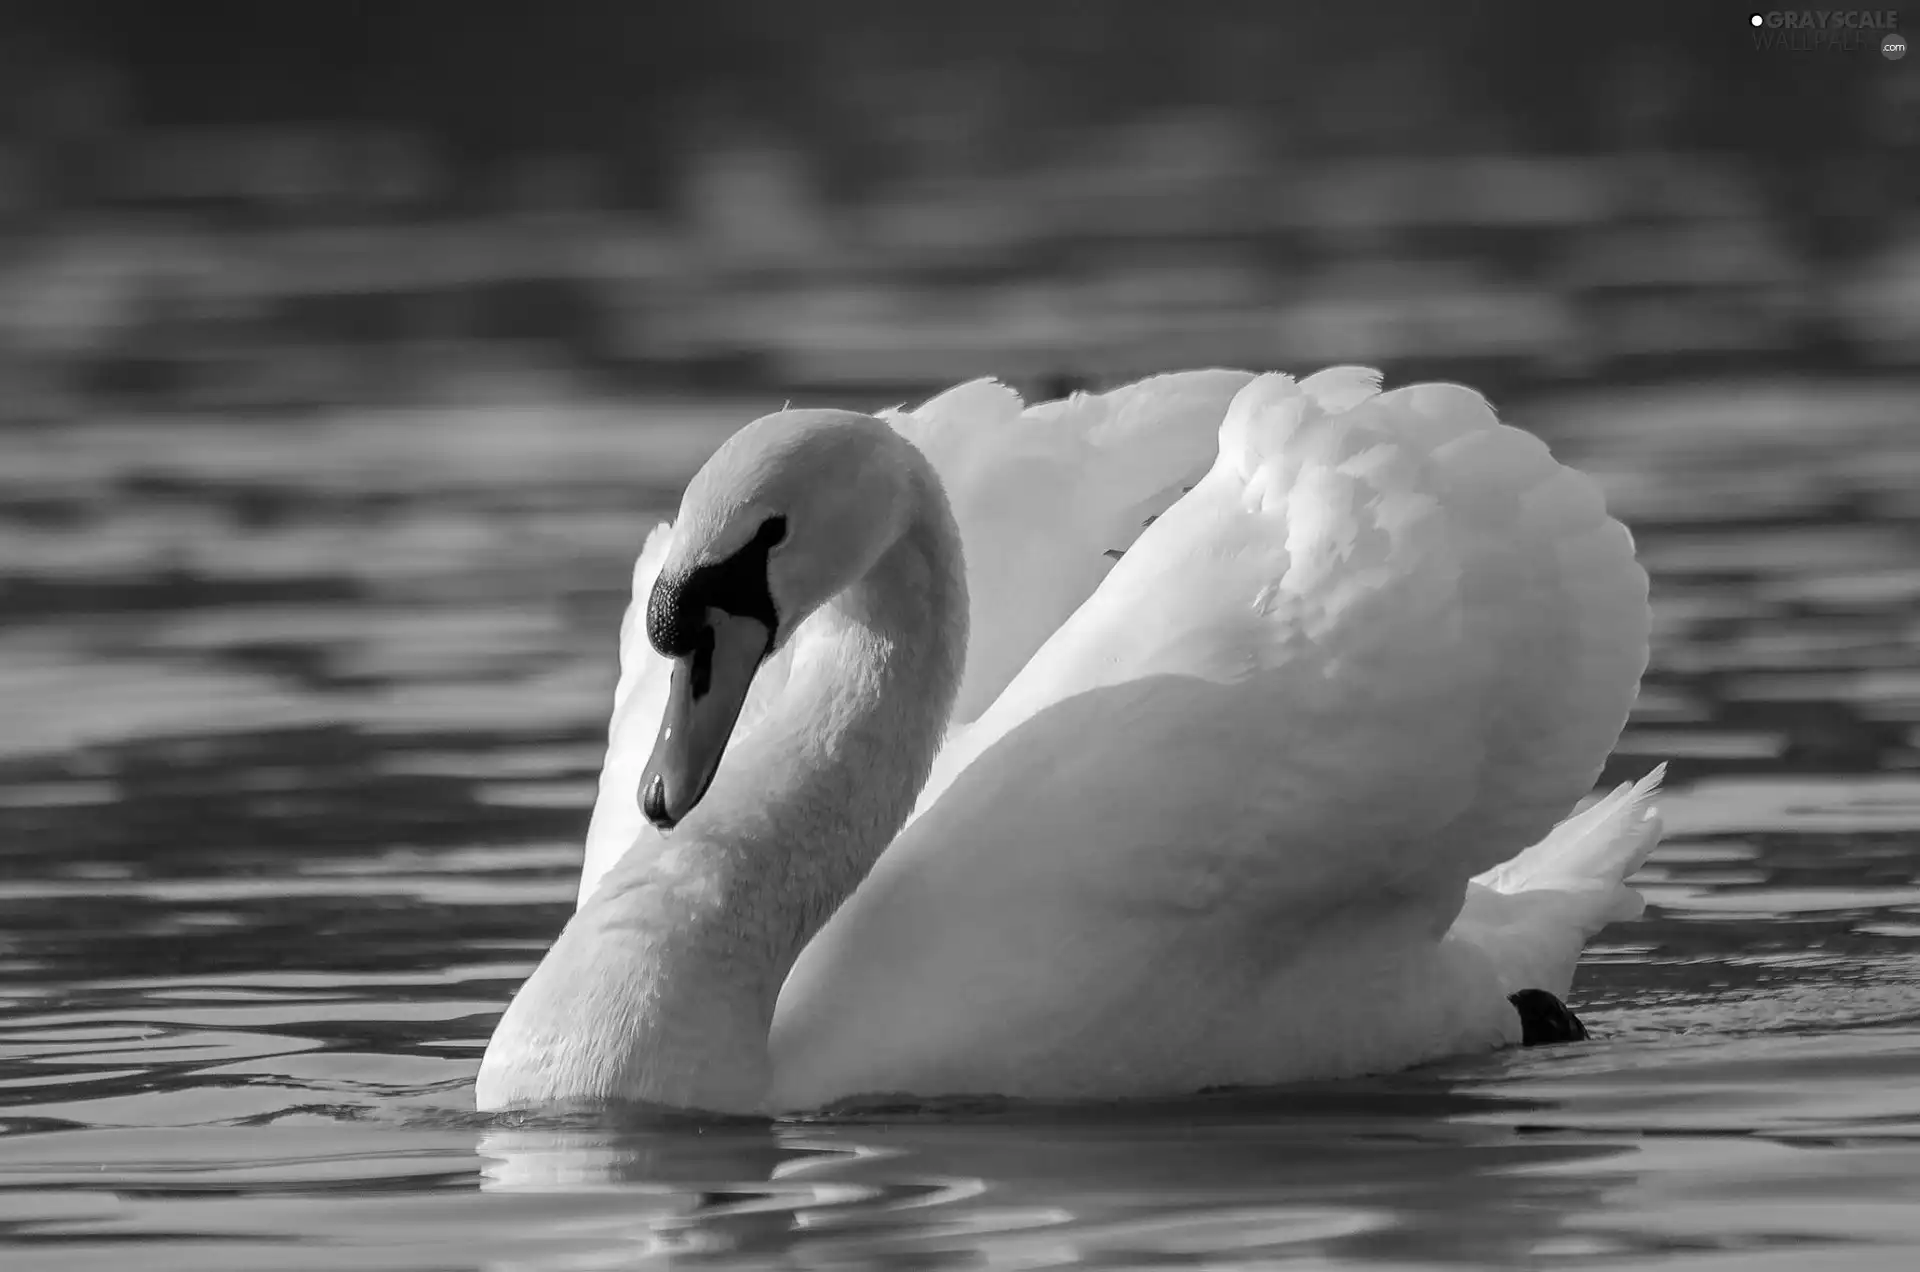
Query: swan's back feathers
x=1442, y=625
x=1382, y=646
x=1549, y=591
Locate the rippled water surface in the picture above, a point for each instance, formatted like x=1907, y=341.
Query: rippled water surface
x=301, y=723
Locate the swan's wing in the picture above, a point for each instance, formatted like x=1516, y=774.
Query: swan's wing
x=1382, y=646
x=1042, y=493
x=1360, y=560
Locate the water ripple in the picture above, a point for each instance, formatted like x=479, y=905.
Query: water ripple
x=303, y=725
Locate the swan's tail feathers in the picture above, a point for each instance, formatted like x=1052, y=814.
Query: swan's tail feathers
x=1534, y=914
x=1596, y=849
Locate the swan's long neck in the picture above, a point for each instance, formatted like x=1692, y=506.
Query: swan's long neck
x=808, y=799
x=662, y=987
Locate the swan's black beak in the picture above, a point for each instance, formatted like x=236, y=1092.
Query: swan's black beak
x=703, y=703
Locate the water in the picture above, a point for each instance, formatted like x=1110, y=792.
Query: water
x=302, y=719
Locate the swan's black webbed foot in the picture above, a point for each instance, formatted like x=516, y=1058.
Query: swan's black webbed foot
x=1544, y=1019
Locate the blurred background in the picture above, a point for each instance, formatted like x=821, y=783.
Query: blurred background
x=271, y=207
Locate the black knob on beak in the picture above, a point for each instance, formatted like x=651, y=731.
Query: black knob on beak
x=653, y=802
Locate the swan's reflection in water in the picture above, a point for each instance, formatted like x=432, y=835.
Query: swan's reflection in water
x=1387, y=1171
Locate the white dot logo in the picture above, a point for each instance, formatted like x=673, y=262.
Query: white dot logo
x=1894, y=47
x=1757, y=20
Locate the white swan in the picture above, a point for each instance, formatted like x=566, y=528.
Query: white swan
x=1208, y=815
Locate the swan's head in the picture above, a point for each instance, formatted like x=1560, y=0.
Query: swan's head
x=794, y=508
